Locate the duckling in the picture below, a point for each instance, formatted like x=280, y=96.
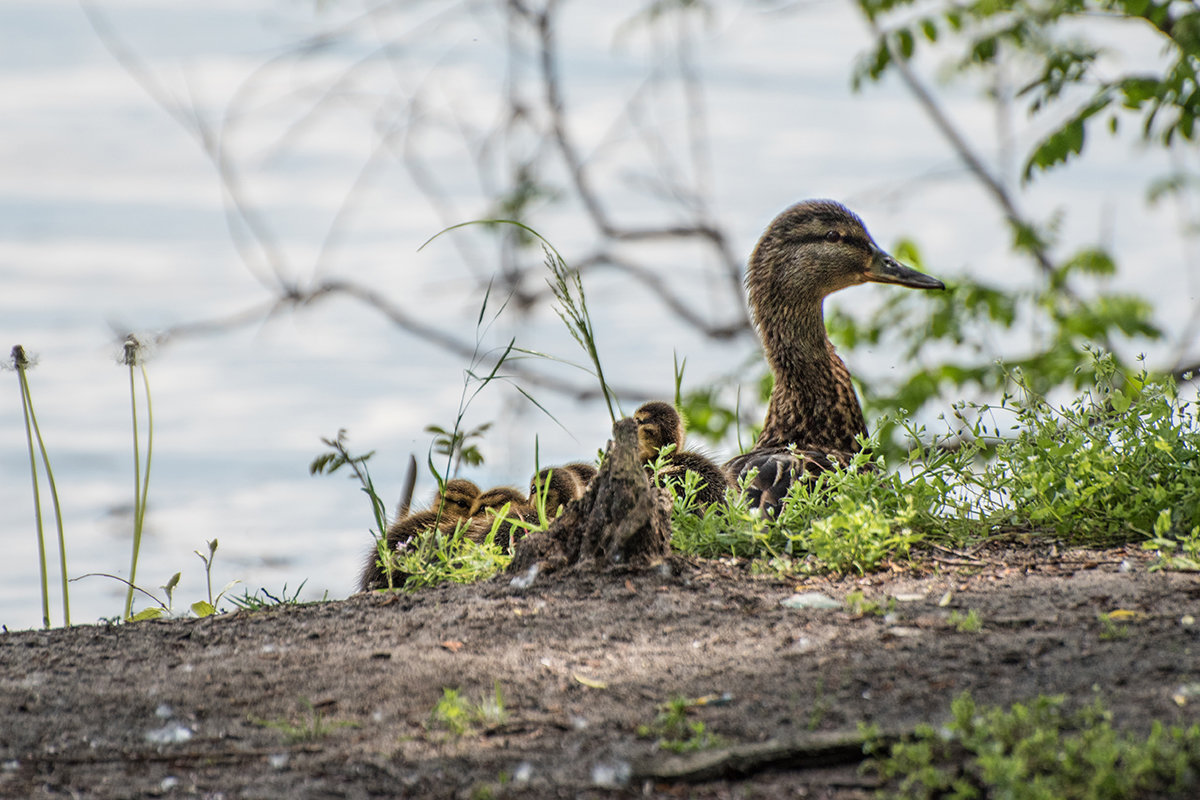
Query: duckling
x=584, y=473
x=809, y=251
x=451, y=504
x=659, y=425
x=561, y=486
x=490, y=503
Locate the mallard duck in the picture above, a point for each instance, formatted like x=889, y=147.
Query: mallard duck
x=659, y=424
x=813, y=419
x=561, y=486
x=450, y=504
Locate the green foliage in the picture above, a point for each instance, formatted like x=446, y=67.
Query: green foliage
x=459, y=715
x=439, y=556
x=337, y=456
x=860, y=606
x=1039, y=751
x=1180, y=553
x=1064, y=67
x=965, y=623
x=1111, y=629
x=572, y=309
x=676, y=732
x=206, y=608
x=1120, y=463
x=312, y=729
x=263, y=599
x=1104, y=467
x=1063, y=76
x=844, y=521
x=457, y=444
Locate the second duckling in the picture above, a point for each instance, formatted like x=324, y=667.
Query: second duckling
x=660, y=425
x=451, y=504
x=560, y=485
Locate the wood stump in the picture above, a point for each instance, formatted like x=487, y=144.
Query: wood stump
x=621, y=520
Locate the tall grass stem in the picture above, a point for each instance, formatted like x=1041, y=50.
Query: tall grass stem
x=20, y=362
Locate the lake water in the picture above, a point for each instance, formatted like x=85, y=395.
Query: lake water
x=112, y=218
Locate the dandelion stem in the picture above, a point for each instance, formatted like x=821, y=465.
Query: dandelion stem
x=62, y=540
x=131, y=358
x=149, y=445
x=20, y=361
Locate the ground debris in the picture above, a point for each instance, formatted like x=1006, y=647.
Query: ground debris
x=811, y=751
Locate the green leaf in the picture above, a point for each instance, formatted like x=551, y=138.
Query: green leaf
x=202, y=608
x=148, y=613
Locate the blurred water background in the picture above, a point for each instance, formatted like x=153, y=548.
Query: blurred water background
x=113, y=219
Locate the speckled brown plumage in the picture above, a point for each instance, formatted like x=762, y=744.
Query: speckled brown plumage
x=451, y=504
x=560, y=485
x=489, y=505
x=808, y=252
x=659, y=424
x=583, y=472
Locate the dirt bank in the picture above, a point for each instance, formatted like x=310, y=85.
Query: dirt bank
x=334, y=700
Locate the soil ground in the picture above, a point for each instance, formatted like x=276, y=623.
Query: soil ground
x=201, y=708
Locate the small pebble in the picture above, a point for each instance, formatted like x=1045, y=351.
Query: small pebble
x=903, y=631
x=809, y=600
x=611, y=775
x=525, y=579
x=171, y=733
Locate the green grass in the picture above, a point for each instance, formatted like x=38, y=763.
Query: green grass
x=1119, y=464
x=459, y=716
x=1038, y=751
x=674, y=731
x=262, y=599
x=965, y=623
x=313, y=727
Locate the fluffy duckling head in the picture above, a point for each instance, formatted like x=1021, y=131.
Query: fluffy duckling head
x=561, y=486
x=658, y=425
x=456, y=498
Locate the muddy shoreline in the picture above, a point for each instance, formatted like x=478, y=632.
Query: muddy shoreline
x=334, y=700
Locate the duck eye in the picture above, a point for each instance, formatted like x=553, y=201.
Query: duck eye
x=833, y=236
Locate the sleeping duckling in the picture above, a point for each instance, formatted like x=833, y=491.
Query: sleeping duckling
x=561, y=487
x=584, y=473
x=813, y=419
x=659, y=425
x=490, y=503
x=451, y=504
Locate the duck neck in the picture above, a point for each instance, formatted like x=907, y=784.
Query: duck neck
x=813, y=404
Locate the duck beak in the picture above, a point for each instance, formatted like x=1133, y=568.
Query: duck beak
x=885, y=269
